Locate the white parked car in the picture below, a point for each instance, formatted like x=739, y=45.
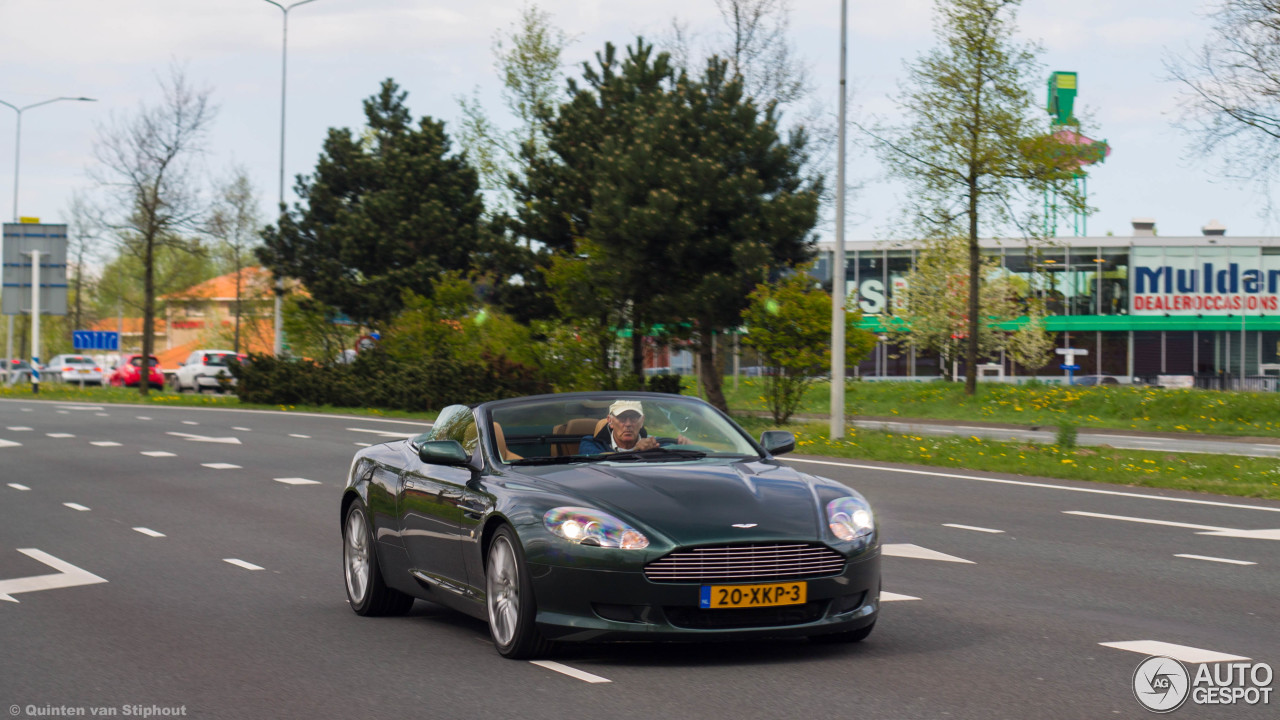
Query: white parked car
x=206, y=370
x=73, y=368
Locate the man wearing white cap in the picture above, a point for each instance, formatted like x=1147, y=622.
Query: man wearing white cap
x=623, y=431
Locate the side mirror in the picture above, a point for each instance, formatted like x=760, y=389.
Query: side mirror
x=443, y=452
x=778, y=442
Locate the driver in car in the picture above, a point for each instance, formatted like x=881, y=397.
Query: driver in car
x=624, y=431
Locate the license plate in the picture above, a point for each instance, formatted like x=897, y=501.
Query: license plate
x=747, y=596
x=84, y=372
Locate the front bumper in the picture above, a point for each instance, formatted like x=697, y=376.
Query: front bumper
x=580, y=605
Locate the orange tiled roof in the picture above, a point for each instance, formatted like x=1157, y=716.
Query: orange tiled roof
x=255, y=283
x=132, y=326
x=175, y=356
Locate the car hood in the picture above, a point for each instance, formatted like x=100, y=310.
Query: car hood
x=696, y=503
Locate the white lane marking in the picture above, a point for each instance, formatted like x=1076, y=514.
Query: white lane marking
x=206, y=438
x=971, y=527
x=102, y=414
x=68, y=575
x=893, y=597
x=190, y=422
x=143, y=417
x=296, y=481
x=242, y=563
x=357, y=444
x=9, y=443
x=1216, y=559
x=907, y=550
x=220, y=466
x=157, y=453
x=59, y=435
x=105, y=443
x=77, y=506
x=1147, y=521
x=1177, y=652
x=1210, y=530
x=149, y=532
x=19, y=428
x=1042, y=486
x=384, y=433
x=64, y=412
x=26, y=409
x=571, y=672
x=242, y=429
x=18, y=486
x=81, y=407
x=295, y=435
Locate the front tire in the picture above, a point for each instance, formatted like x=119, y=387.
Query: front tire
x=366, y=592
x=509, y=597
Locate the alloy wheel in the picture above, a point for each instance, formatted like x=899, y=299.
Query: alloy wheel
x=356, y=557
x=503, y=591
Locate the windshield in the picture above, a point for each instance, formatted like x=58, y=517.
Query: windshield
x=137, y=361
x=576, y=429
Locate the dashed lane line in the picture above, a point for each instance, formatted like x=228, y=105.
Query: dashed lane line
x=242, y=563
x=105, y=443
x=1216, y=559
x=1185, y=653
x=9, y=443
x=571, y=672
x=77, y=506
x=220, y=466
x=157, y=453
x=297, y=481
x=241, y=429
x=302, y=437
x=102, y=414
x=149, y=532
x=59, y=435
x=18, y=486
x=971, y=527
x=143, y=417
x=18, y=428
x=190, y=422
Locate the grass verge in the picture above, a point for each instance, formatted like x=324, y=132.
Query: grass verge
x=1122, y=407
x=1222, y=474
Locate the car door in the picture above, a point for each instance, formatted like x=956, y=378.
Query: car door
x=429, y=506
x=186, y=371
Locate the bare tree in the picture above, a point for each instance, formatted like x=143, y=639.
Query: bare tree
x=1231, y=96
x=145, y=164
x=83, y=240
x=234, y=222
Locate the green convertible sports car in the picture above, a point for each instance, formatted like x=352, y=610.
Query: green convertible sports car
x=603, y=516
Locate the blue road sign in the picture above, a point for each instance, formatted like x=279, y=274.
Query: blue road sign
x=1072, y=368
x=95, y=340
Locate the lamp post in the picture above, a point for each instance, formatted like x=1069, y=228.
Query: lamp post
x=277, y=347
x=17, y=151
x=837, y=258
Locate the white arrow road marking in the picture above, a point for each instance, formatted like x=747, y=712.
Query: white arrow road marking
x=385, y=433
x=157, y=453
x=220, y=466
x=1209, y=530
x=893, y=597
x=17, y=486
x=571, y=672
x=1177, y=652
x=68, y=575
x=105, y=443
x=77, y=506
x=907, y=550
x=9, y=443
x=1217, y=559
x=970, y=527
x=296, y=481
x=60, y=435
x=206, y=438
x=149, y=532
x=242, y=563
x=19, y=428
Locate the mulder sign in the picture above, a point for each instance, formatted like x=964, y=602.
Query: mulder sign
x=20, y=239
x=1204, y=281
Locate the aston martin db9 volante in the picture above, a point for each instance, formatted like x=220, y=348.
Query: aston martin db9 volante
x=603, y=516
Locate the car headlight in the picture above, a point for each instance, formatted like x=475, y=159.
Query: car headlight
x=585, y=526
x=850, y=518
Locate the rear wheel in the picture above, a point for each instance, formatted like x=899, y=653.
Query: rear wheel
x=510, y=600
x=175, y=383
x=367, y=593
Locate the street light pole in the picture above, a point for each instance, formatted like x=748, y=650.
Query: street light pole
x=837, y=258
x=17, y=151
x=277, y=347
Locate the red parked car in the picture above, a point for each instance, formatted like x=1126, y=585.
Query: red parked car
x=128, y=373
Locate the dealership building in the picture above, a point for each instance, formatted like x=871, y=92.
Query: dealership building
x=1141, y=306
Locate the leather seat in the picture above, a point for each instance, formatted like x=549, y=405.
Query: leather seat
x=501, y=440
x=577, y=427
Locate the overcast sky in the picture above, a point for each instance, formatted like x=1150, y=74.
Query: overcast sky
x=340, y=50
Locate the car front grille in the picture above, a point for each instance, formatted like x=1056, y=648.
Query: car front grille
x=724, y=619
x=746, y=562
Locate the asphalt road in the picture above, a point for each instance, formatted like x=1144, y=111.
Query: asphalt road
x=171, y=616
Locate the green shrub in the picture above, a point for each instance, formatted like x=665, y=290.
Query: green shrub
x=1066, y=435
x=666, y=384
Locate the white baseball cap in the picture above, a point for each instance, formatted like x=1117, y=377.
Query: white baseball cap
x=620, y=406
